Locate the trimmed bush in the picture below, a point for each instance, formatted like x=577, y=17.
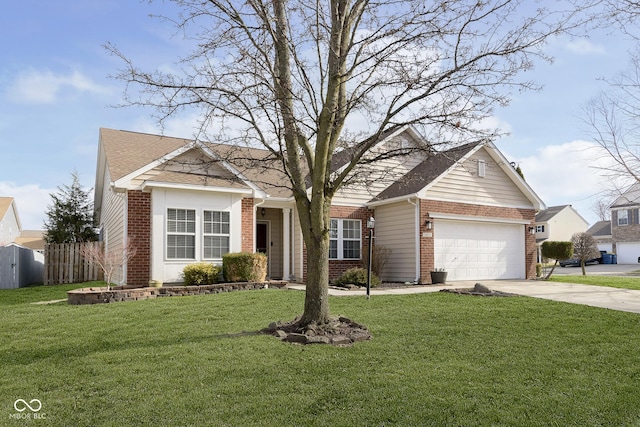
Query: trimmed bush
x=244, y=267
x=200, y=273
x=356, y=276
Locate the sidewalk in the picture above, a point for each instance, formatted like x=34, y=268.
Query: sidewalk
x=595, y=296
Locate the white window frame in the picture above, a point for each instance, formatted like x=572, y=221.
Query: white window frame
x=621, y=217
x=539, y=228
x=173, y=229
x=223, y=232
x=337, y=235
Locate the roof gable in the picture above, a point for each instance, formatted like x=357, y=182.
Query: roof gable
x=453, y=174
x=425, y=173
x=631, y=197
x=546, y=214
x=600, y=229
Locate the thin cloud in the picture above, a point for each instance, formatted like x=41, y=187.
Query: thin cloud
x=46, y=87
x=584, y=46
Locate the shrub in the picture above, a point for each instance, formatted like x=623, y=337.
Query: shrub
x=200, y=273
x=379, y=259
x=244, y=267
x=356, y=276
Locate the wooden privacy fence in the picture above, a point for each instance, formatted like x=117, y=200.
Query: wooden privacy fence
x=64, y=263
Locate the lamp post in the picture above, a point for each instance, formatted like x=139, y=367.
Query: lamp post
x=371, y=223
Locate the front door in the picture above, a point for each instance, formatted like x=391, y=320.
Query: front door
x=262, y=240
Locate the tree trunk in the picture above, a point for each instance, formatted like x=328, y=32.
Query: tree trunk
x=316, y=303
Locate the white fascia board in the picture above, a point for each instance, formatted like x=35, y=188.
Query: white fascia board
x=174, y=186
x=452, y=217
x=391, y=200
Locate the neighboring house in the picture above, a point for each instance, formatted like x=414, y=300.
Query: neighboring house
x=9, y=221
x=625, y=226
x=11, y=231
x=601, y=232
x=20, y=264
x=180, y=201
x=559, y=224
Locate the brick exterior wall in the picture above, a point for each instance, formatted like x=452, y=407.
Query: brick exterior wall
x=625, y=233
x=427, y=244
x=139, y=229
x=337, y=267
x=247, y=225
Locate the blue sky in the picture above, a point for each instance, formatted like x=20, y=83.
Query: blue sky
x=55, y=94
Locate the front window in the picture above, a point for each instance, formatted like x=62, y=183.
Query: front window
x=345, y=239
x=181, y=234
x=539, y=228
x=623, y=217
x=216, y=234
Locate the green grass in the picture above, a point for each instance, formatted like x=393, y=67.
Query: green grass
x=39, y=293
x=435, y=359
x=624, y=282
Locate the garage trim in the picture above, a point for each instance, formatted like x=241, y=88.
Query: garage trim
x=454, y=217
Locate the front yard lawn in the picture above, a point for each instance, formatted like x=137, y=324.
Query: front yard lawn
x=435, y=359
x=632, y=282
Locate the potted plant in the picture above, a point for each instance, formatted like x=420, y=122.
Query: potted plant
x=438, y=275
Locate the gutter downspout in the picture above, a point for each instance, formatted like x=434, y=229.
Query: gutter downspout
x=417, y=241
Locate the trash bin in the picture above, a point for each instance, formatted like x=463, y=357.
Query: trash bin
x=607, y=258
x=614, y=259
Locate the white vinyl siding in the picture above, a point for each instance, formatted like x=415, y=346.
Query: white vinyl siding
x=169, y=270
x=373, y=178
x=112, y=222
x=463, y=184
x=396, y=231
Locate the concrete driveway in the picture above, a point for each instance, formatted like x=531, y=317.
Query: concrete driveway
x=595, y=296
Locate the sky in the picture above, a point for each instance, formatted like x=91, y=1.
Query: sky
x=57, y=91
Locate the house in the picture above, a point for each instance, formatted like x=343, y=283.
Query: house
x=181, y=201
x=11, y=230
x=625, y=226
x=558, y=224
x=601, y=232
x=9, y=221
x=20, y=264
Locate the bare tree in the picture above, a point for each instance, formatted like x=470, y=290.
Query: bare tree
x=613, y=118
x=109, y=261
x=584, y=248
x=293, y=76
x=601, y=209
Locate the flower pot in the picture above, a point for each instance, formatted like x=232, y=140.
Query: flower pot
x=155, y=284
x=438, y=277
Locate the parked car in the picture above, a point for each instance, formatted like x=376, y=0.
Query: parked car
x=575, y=262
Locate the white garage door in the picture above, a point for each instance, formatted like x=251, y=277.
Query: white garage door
x=628, y=253
x=479, y=250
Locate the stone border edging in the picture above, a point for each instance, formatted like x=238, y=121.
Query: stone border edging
x=119, y=293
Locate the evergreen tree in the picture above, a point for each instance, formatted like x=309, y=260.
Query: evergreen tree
x=70, y=217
